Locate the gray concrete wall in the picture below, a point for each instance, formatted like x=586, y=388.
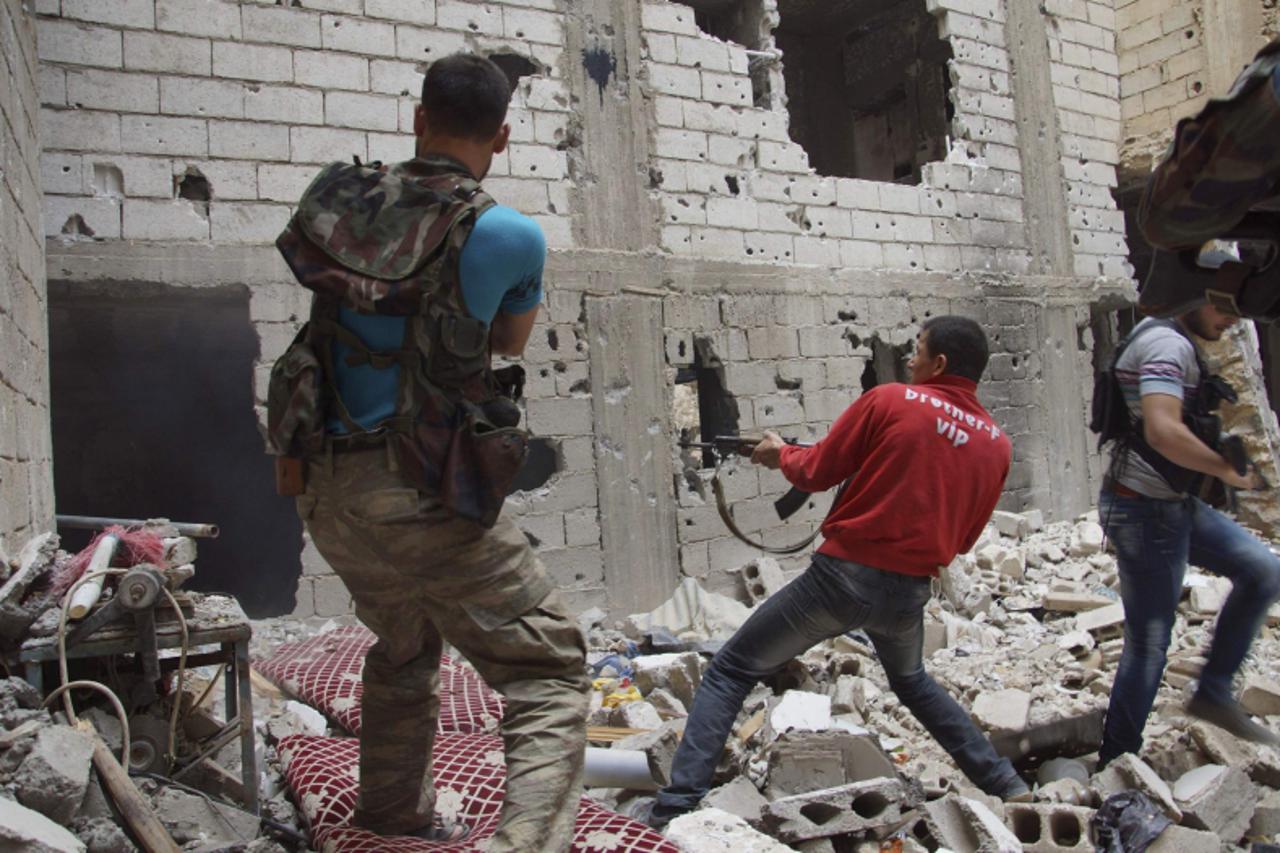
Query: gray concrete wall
x=683, y=222
x=26, y=466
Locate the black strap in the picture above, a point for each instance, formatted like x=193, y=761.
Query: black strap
x=726, y=515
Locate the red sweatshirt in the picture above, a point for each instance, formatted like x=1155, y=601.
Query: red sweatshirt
x=927, y=467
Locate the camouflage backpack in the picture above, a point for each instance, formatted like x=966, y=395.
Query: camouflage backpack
x=388, y=242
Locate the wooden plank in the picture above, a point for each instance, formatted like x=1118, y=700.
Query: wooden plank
x=135, y=809
x=609, y=734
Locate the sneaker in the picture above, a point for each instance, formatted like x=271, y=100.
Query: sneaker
x=1232, y=718
x=1016, y=791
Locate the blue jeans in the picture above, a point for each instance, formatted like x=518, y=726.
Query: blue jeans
x=831, y=597
x=1154, y=540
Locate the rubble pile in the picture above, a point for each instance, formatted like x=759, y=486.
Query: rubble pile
x=55, y=787
x=1026, y=631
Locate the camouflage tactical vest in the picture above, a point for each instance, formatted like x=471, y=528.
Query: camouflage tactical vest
x=389, y=242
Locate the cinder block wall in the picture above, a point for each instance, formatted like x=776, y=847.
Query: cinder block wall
x=26, y=466
x=690, y=236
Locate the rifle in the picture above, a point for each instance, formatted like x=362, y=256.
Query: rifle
x=744, y=445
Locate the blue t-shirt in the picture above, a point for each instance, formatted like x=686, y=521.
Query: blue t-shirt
x=501, y=270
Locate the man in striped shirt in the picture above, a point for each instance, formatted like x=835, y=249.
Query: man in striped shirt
x=1157, y=528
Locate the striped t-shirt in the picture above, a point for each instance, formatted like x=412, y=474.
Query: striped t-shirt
x=1159, y=360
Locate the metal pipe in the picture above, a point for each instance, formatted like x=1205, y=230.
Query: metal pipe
x=618, y=768
x=91, y=522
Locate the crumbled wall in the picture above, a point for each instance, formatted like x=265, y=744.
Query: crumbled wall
x=1162, y=67
x=26, y=466
x=672, y=202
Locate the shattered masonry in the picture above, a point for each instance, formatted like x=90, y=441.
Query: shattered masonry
x=667, y=152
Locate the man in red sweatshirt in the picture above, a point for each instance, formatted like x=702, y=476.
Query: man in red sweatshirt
x=925, y=464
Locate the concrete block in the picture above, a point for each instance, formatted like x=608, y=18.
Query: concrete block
x=872, y=805
x=188, y=97
x=164, y=135
x=738, y=797
x=372, y=112
x=1266, y=817
x=281, y=25
x=763, y=578
x=252, y=62
x=244, y=140
x=24, y=829
x=1086, y=539
x=326, y=144
x=247, y=223
x=1002, y=710
x=109, y=90
x=1181, y=839
x=402, y=11
x=712, y=830
x=146, y=219
x=961, y=824
x=171, y=53
x=199, y=18
x=1102, y=619
x=807, y=761
x=81, y=131
x=1260, y=696
x=1218, y=799
x=659, y=747
x=679, y=673
x=636, y=715
x=77, y=44
x=1074, y=602
x=55, y=774
x=800, y=710
x=352, y=35
x=285, y=104
x=331, y=70
x=1130, y=772
x=1049, y=828
x=427, y=44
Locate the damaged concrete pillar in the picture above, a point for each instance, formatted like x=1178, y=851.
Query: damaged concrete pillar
x=633, y=450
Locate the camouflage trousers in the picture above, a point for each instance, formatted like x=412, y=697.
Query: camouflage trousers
x=419, y=576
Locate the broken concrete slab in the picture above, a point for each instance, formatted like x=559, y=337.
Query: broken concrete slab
x=1182, y=839
x=53, y=777
x=739, y=797
x=809, y=761
x=1260, y=696
x=190, y=818
x=636, y=715
x=1266, y=817
x=717, y=831
x=1074, y=602
x=872, y=805
x=799, y=710
x=964, y=826
x=1102, y=619
x=1128, y=771
x=678, y=672
x=1043, y=828
x=24, y=829
x=34, y=564
x=659, y=747
x=1218, y=799
x=1086, y=539
x=1002, y=710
